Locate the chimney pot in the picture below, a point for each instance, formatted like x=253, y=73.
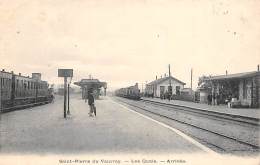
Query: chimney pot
x=226, y=72
x=3, y=70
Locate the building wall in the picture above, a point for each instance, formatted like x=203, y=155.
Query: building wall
x=203, y=96
x=252, y=87
x=166, y=84
x=255, y=88
x=245, y=92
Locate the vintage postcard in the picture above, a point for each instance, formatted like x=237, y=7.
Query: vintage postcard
x=155, y=82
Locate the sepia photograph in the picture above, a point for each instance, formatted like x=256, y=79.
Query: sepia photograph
x=129, y=82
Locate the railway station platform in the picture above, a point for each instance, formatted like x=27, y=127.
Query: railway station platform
x=115, y=129
x=247, y=112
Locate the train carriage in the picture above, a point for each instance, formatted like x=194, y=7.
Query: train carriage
x=131, y=92
x=18, y=90
x=5, y=88
x=42, y=91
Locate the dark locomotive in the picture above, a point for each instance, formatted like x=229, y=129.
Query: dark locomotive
x=131, y=92
x=17, y=90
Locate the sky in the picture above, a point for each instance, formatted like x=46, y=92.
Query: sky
x=127, y=41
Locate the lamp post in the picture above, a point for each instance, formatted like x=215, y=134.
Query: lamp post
x=65, y=95
x=68, y=112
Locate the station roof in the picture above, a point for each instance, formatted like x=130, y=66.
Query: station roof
x=158, y=81
x=86, y=82
x=234, y=76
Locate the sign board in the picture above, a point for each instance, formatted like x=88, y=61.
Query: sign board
x=65, y=72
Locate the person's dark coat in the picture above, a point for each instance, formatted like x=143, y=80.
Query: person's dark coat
x=90, y=99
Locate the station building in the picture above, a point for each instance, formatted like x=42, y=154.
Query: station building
x=240, y=89
x=159, y=87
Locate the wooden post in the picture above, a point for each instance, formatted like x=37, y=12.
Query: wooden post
x=65, y=95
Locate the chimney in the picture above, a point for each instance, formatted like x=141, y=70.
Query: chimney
x=20, y=74
x=3, y=70
x=156, y=77
x=258, y=68
x=12, y=72
x=226, y=72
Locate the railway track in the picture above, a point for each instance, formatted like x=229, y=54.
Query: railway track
x=218, y=115
x=215, y=140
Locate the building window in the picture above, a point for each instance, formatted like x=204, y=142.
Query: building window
x=178, y=90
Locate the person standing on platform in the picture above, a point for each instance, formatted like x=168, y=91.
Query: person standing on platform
x=91, y=101
x=169, y=96
x=214, y=98
x=218, y=99
x=209, y=99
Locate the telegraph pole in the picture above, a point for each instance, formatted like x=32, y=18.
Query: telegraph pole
x=191, y=72
x=142, y=88
x=170, y=84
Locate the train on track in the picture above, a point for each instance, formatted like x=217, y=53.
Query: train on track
x=131, y=92
x=18, y=91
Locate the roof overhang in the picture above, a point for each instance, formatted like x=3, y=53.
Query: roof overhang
x=233, y=76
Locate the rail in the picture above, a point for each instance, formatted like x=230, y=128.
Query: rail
x=231, y=117
x=221, y=135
